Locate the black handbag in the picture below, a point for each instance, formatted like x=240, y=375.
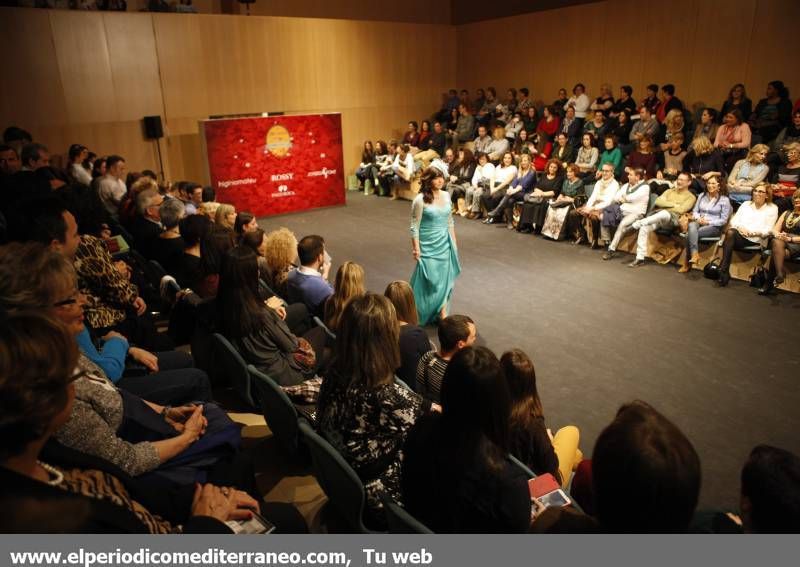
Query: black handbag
x=711, y=270
x=759, y=277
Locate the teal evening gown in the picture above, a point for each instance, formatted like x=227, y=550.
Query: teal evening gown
x=438, y=266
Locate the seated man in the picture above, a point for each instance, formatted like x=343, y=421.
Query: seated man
x=499, y=145
x=751, y=225
x=434, y=145
x=191, y=194
x=483, y=141
x=308, y=284
x=633, y=198
x=603, y=195
x=667, y=213
x=455, y=332
x=112, y=188
x=146, y=225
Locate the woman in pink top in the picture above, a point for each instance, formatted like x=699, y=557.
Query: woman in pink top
x=733, y=137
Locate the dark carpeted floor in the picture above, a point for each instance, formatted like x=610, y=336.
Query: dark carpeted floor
x=722, y=363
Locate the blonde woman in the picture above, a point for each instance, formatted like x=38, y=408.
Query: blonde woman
x=349, y=283
x=747, y=173
x=674, y=125
x=225, y=216
x=414, y=340
x=280, y=251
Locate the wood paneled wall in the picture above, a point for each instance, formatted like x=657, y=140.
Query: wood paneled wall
x=91, y=77
x=701, y=46
x=414, y=11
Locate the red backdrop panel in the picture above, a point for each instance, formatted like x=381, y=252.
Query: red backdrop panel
x=275, y=165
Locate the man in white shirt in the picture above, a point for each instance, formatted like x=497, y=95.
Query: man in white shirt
x=750, y=226
x=112, y=188
x=603, y=195
x=633, y=198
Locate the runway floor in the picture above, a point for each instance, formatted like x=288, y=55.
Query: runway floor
x=722, y=363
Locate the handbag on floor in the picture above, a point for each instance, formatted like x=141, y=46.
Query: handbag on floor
x=554, y=221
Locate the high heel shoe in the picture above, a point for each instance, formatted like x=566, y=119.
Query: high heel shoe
x=768, y=286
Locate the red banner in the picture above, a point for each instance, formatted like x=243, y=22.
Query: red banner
x=278, y=164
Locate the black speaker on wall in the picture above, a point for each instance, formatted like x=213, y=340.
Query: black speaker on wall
x=153, y=130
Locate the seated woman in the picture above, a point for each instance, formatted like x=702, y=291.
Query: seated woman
x=605, y=101
x=281, y=254
x=461, y=173
x=504, y=175
x=383, y=163
x=522, y=145
x=529, y=438
x=673, y=126
x=520, y=187
x=708, y=126
x=137, y=435
x=708, y=217
x=365, y=168
x=534, y=209
x=549, y=124
x=245, y=222
x=212, y=249
x=349, y=283
x=733, y=138
x=362, y=411
x=571, y=197
x=611, y=154
x=751, y=225
x=621, y=129
x=457, y=477
x=411, y=137
x=644, y=158
x=571, y=127
x=772, y=113
x=225, y=217
x=259, y=332
x=563, y=151
x=39, y=389
x=737, y=100
x=414, y=340
x=424, y=134
x=541, y=152
x=482, y=180
x=193, y=229
x=747, y=173
x=169, y=247
x=674, y=155
x=701, y=160
x=499, y=145
x=597, y=127
x=530, y=120
x=513, y=127
x=587, y=157
x=788, y=176
x=785, y=243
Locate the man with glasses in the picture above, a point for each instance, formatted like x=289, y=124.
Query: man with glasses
x=751, y=225
x=146, y=225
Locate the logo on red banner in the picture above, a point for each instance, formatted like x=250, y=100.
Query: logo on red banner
x=276, y=165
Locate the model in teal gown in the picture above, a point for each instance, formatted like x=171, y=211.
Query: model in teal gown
x=438, y=266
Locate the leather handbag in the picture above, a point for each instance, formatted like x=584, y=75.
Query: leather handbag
x=711, y=270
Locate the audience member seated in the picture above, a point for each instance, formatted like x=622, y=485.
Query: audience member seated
x=571, y=127
x=349, y=283
x=668, y=210
x=461, y=173
x=384, y=158
x=366, y=169
x=414, y=342
x=465, y=127
x=77, y=173
x=603, y=195
x=674, y=155
x=362, y=411
x=785, y=243
x=789, y=135
x=747, y=173
x=597, y=127
x=522, y=145
x=225, y=217
x=709, y=216
x=309, y=283
x=623, y=105
x=737, y=100
x=643, y=454
x=146, y=226
x=772, y=113
x=534, y=208
x=411, y=137
x=138, y=436
x=213, y=248
x=245, y=222
x=111, y=187
x=563, y=151
x=579, y=101
x=644, y=158
x=434, y=145
x=788, y=176
x=669, y=102
x=455, y=332
x=645, y=127
x=498, y=146
x=530, y=120
x=559, y=103
x=513, y=127
x=605, y=101
x=587, y=157
x=281, y=255
x=9, y=160
x=193, y=229
x=611, y=154
x=631, y=203
x=701, y=161
x=483, y=141
x=168, y=247
x=529, y=438
x=520, y=187
x=770, y=499
x=708, y=125
x=191, y=194
x=256, y=240
x=39, y=394
x=561, y=217
x=549, y=124
x=750, y=226
x=457, y=477
x=733, y=138
x=504, y=176
x=482, y=180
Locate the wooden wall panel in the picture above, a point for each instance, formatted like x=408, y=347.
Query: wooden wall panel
x=31, y=94
x=702, y=46
x=412, y=11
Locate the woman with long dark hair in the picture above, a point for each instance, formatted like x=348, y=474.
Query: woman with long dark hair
x=258, y=332
x=414, y=340
x=772, y=113
x=366, y=169
x=456, y=476
x=529, y=439
x=434, y=247
x=245, y=222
